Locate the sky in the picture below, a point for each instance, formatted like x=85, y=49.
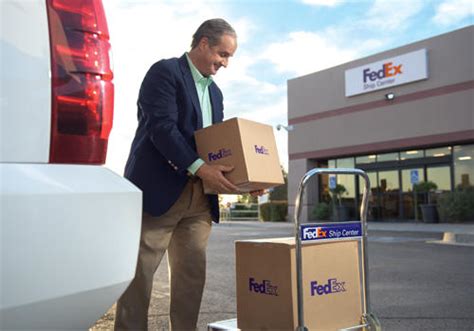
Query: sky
x=277, y=40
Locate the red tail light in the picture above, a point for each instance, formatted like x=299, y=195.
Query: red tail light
x=82, y=88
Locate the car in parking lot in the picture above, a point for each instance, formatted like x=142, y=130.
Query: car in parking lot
x=69, y=227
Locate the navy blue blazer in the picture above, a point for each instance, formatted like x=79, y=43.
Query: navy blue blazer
x=164, y=147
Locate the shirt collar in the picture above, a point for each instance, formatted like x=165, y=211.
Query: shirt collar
x=197, y=76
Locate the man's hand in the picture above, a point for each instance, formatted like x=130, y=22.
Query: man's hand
x=257, y=193
x=213, y=176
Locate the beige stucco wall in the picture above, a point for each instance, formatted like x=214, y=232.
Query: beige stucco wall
x=450, y=61
x=431, y=116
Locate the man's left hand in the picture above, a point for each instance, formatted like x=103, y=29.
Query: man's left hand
x=257, y=193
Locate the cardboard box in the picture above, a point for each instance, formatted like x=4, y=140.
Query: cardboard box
x=248, y=146
x=266, y=285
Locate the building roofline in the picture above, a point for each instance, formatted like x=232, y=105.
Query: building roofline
x=375, y=56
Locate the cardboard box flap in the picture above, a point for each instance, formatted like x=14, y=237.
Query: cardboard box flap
x=289, y=241
x=260, y=152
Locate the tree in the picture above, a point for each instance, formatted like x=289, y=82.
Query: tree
x=338, y=192
x=246, y=198
x=280, y=193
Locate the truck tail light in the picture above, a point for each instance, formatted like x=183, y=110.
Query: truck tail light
x=82, y=88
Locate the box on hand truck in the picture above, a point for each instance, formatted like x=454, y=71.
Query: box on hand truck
x=266, y=285
x=315, y=281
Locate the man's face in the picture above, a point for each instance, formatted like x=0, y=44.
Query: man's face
x=214, y=57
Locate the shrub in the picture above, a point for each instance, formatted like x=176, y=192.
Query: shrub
x=338, y=192
x=457, y=206
x=322, y=211
x=244, y=211
x=423, y=187
x=274, y=211
x=426, y=188
x=240, y=207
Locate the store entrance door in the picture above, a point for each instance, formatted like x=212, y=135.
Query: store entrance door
x=408, y=197
x=389, y=190
x=384, y=203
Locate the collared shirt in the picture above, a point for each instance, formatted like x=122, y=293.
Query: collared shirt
x=202, y=88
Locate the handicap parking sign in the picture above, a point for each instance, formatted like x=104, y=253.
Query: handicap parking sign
x=332, y=182
x=414, y=179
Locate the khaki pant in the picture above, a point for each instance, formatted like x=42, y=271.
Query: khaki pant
x=183, y=231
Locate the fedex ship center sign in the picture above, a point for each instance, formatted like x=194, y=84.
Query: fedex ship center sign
x=403, y=69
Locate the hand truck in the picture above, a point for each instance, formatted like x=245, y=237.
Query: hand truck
x=368, y=319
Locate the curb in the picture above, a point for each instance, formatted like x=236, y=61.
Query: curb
x=458, y=239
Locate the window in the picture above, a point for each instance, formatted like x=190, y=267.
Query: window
x=366, y=159
x=389, y=193
x=463, y=165
x=388, y=181
x=438, y=152
x=414, y=154
x=345, y=163
x=347, y=180
x=387, y=157
x=373, y=181
x=408, y=197
x=407, y=185
x=440, y=176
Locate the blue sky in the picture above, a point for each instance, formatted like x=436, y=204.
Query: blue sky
x=278, y=40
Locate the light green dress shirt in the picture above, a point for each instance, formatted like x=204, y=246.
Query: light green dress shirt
x=202, y=88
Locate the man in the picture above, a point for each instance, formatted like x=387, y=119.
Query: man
x=177, y=97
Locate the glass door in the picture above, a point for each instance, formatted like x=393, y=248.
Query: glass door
x=374, y=212
x=441, y=176
x=408, y=197
x=389, y=189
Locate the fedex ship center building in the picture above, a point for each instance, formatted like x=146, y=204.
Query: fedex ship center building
x=404, y=116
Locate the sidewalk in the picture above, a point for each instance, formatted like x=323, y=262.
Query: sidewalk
x=461, y=228
x=454, y=234
x=402, y=225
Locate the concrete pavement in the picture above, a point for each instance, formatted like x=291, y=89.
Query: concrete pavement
x=466, y=228
x=407, y=265
x=453, y=233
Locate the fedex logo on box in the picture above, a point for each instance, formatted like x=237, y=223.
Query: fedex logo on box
x=223, y=152
x=387, y=70
x=261, y=150
x=332, y=286
x=265, y=287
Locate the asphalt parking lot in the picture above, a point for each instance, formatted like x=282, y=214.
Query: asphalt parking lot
x=416, y=283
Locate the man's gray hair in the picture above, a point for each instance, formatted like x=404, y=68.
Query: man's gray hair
x=213, y=30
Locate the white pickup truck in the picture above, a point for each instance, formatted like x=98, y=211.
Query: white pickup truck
x=69, y=227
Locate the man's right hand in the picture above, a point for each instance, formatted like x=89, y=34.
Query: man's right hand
x=213, y=176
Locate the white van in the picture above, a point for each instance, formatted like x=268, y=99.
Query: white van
x=69, y=227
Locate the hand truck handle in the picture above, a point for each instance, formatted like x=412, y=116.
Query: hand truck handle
x=363, y=220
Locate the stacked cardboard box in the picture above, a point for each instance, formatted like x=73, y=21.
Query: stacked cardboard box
x=266, y=285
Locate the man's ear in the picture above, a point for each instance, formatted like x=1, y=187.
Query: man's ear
x=203, y=43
